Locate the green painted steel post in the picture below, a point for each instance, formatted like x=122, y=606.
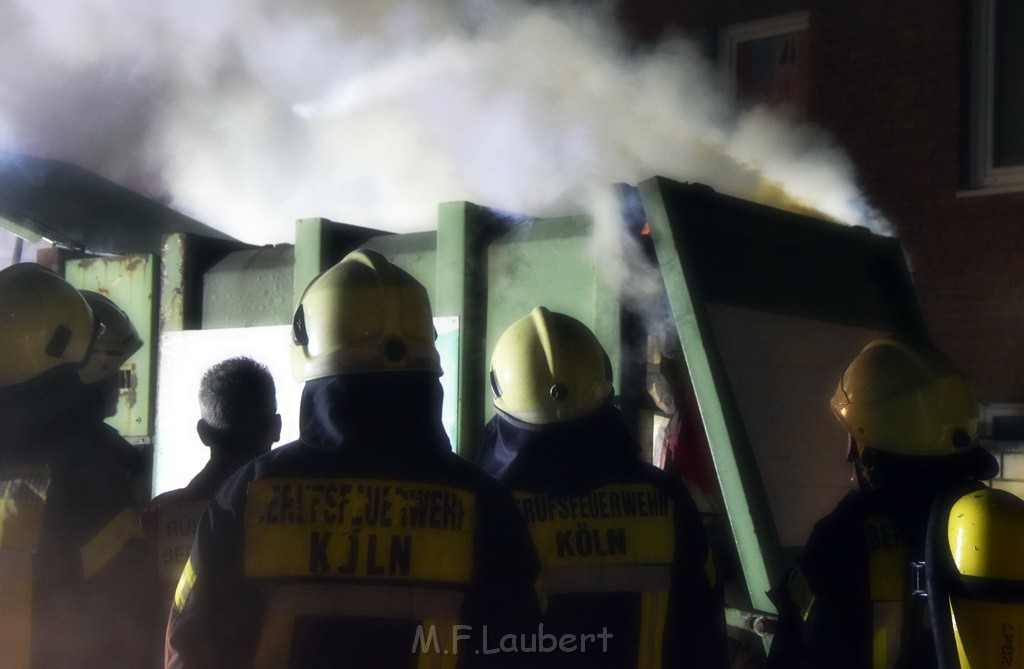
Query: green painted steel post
x=172, y=284
x=745, y=498
x=185, y=260
x=461, y=292
x=310, y=254
x=319, y=243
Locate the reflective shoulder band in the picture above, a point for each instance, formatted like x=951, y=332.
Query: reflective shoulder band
x=109, y=541
x=23, y=491
x=185, y=583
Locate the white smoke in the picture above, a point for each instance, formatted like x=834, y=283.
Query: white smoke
x=250, y=114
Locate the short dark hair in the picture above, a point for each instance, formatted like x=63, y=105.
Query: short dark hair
x=237, y=396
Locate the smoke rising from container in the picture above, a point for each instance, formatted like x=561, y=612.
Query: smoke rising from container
x=248, y=115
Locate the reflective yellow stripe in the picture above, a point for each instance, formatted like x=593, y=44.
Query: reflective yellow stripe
x=887, y=628
x=879, y=648
x=653, y=612
x=109, y=541
x=21, y=524
x=185, y=583
x=615, y=524
x=888, y=565
x=887, y=555
x=800, y=593
x=359, y=529
x=24, y=481
x=617, y=538
x=887, y=576
x=23, y=491
x=289, y=602
x=15, y=609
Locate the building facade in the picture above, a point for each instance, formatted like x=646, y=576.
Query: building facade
x=927, y=99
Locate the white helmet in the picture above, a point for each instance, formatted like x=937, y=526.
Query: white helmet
x=363, y=315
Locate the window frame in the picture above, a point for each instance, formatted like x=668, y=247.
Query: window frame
x=984, y=176
x=731, y=36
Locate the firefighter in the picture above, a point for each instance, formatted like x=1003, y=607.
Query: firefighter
x=855, y=597
x=621, y=542
x=367, y=542
x=116, y=341
x=239, y=421
x=74, y=576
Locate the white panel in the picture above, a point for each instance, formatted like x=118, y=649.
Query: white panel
x=783, y=371
x=184, y=357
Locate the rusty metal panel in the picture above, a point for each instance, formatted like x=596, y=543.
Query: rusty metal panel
x=173, y=283
x=130, y=282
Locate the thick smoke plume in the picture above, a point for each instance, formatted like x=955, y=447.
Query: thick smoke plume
x=249, y=114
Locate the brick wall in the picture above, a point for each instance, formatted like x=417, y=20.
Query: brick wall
x=1011, y=469
x=889, y=81
x=1001, y=427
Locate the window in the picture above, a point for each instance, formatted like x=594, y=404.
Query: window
x=766, y=61
x=997, y=87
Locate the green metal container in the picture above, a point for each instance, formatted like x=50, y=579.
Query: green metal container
x=767, y=307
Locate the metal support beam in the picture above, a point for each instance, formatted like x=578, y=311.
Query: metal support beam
x=745, y=498
x=462, y=233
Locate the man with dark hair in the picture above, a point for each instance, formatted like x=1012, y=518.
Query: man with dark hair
x=239, y=421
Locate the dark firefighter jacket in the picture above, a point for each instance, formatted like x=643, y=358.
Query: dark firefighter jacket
x=76, y=583
x=849, y=602
x=169, y=524
x=366, y=543
x=203, y=485
x=621, y=544
x=170, y=519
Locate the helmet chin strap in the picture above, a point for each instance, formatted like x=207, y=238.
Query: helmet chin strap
x=866, y=475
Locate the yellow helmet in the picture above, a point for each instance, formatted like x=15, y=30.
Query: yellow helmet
x=45, y=323
x=547, y=368
x=117, y=340
x=363, y=315
x=985, y=531
x=907, y=400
